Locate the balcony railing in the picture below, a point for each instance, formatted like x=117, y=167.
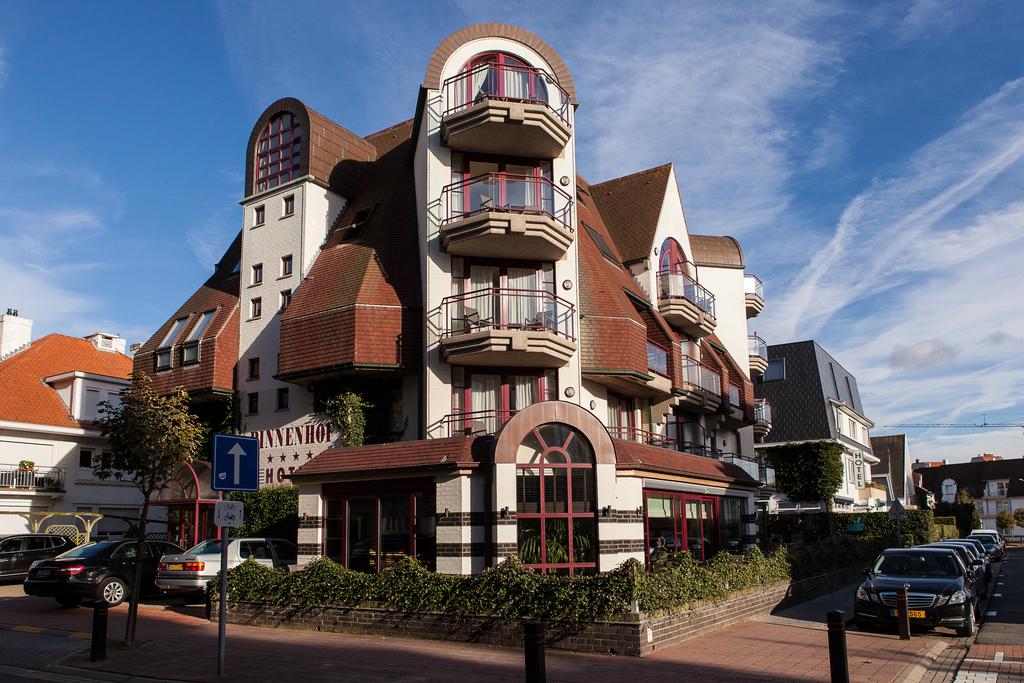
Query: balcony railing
x=509, y=193
x=676, y=285
x=657, y=358
x=757, y=346
x=37, y=479
x=505, y=82
x=762, y=411
x=734, y=395
x=473, y=423
x=701, y=376
x=643, y=436
x=753, y=286
x=766, y=473
x=700, y=449
x=508, y=309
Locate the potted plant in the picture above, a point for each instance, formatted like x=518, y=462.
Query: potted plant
x=26, y=465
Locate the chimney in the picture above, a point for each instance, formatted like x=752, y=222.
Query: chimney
x=15, y=332
x=105, y=341
x=134, y=348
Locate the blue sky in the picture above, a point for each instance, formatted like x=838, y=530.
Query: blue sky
x=869, y=158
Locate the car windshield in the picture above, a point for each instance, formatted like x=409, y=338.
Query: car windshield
x=87, y=550
x=210, y=547
x=920, y=565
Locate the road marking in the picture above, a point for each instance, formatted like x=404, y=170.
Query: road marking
x=998, y=657
x=997, y=595
x=991, y=614
x=29, y=629
x=81, y=635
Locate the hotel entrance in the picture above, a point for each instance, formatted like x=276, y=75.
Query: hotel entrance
x=678, y=522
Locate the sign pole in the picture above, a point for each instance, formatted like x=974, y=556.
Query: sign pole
x=222, y=607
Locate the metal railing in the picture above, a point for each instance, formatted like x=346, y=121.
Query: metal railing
x=762, y=411
x=508, y=309
x=753, y=286
x=657, y=358
x=734, y=394
x=766, y=473
x=474, y=423
x=757, y=346
x=700, y=449
x=643, y=436
x=676, y=285
x=701, y=376
x=509, y=193
x=505, y=82
x=36, y=479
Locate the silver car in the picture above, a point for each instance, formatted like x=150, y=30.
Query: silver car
x=190, y=571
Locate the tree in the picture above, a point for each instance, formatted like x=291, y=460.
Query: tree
x=347, y=411
x=271, y=511
x=808, y=471
x=1018, y=517
x=1005, y=521
x=150, y=437
x=968, y=516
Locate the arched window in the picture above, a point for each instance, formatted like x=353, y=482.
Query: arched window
x=278, y=152
x=672, y=259
x=499, y=75
x=555, y=493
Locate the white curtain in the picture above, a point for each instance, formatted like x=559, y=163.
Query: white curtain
x=524, y=391
x=484, y=391
x=481, y=280
x=523, y=307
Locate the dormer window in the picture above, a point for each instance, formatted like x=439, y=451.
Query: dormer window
x=163, y=353
x=278, y=152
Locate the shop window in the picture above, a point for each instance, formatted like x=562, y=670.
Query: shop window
x=732, y=524
x=679, y=522
x=371, y=533
x=555, y=501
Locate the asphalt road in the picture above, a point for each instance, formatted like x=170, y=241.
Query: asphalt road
x=1004, y=616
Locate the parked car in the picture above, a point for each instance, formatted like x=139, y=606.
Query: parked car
x=19, y=551
x=190, y=570
x=979, y=549
x=990, y=537
x=968, y=555
x=101, y=571
x=941, y=590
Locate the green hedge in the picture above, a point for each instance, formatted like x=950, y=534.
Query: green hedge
x=942, y=531
x=945, y=520
x=819, y=527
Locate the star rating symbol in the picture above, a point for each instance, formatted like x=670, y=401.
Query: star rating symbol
x=270, y=458
x=295, y=456
x=309, y=455
x=283, y=456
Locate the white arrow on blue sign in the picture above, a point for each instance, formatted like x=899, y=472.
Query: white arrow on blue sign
x=236, y=463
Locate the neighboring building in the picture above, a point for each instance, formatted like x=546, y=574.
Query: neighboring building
x=892, y=471
x=986, y=457
x=49, y=394
x=919, y=464
x=814, y=398
x=995, y=485
x=556, y=368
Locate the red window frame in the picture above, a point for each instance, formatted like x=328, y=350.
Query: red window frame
x=673, y=258
x=282, y=136
x=542, y=467
x=463, y=386
x=679, y=519
x=541, y=169
x=500, y=61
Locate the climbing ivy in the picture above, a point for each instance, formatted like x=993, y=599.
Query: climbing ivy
x=347, y=411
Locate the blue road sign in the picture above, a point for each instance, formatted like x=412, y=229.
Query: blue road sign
x=236, y=463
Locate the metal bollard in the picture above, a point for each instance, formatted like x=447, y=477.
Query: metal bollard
x=904, y=616
x=533, y=643
x=837, y=659
x=98, y=649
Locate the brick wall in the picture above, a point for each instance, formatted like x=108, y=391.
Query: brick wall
x=635, y=635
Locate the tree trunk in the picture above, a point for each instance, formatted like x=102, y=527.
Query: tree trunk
x=136, y=587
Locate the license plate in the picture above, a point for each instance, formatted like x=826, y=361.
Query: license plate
x=42, y=572
x=914, y=613
x=175, y=567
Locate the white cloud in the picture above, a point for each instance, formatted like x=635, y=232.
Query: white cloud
x=211, y=237
x=924, y=354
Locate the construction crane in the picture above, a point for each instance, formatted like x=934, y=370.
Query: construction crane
x=984, y=424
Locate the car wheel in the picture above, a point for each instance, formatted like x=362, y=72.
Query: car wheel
x=112, y=592
x=967, y=630
x=69, y=603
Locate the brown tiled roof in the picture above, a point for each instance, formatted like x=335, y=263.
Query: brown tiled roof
x=716, y=251
x=432, y=79
x=714, y=353
x=218, y=347
x=631, y=206
x=636, y=456
x=450, y=453
x=25, y=397
x=360, y=303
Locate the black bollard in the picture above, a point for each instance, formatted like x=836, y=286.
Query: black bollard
x=533, y=643
x=904, y=613
x=98, y=651
x=837, y=660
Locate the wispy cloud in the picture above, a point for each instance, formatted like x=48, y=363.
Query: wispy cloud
x=209, y=239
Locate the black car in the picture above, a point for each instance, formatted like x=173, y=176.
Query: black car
x=973, y=563
x=979, y=551
x=101, y=571
x=941, y=590
x=19, y=551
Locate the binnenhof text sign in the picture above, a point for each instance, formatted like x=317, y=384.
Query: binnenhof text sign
x=284, y=449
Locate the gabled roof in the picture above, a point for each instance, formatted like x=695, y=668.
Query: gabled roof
x=25, y=397
x=631, y=206
x=716, y=251
x=638, y=456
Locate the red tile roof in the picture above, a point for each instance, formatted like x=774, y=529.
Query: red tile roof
x=450, y=453
x=636, y=456
x=25, y=397
x=631, y=206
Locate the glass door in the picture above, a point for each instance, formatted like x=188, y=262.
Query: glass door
x=362, y=535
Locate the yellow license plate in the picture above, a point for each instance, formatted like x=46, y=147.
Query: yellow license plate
x=914, y=613
x=177, y=567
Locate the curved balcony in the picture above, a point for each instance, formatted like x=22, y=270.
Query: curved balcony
x=700, y=386
x=496, y=215
x=508, y=327
x=753, y=292
x=758, y=355
x=643, y=436
x=505, y=109
x=685, y=304
x=762, y=417
x=472, y=423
